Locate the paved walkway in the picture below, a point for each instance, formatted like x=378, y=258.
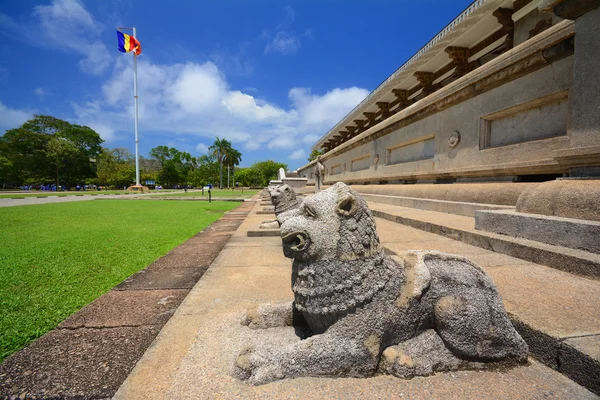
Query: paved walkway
x=85, y=197
x=192, y=356
x=45, y=200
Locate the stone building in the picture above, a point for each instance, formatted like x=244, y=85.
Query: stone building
x=490, y=135
x=508, y=92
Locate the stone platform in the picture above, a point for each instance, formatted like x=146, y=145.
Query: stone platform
x=193, y=355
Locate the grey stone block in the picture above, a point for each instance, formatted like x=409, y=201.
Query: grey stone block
x=568, y=232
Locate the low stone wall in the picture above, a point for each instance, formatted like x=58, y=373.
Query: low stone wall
x=569, y=198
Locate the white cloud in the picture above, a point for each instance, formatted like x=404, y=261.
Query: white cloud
x=297, y=155
x=40, y=92
x=197, y=88
x=67, y=25
x=328, y=109
x=202, y=148
x=195, y=101
x=285, y=40
x=246, y=107
x=12, y=118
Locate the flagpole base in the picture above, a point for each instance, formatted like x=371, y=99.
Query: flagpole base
x=138, y=189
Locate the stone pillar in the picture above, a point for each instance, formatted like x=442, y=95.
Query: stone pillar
x=583, y=156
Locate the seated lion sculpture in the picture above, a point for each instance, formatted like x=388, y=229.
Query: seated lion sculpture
x=408, y=315
x=283, y=199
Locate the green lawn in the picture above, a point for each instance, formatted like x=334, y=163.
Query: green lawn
x=56, y=258
x=62, y=194
x=215, y=193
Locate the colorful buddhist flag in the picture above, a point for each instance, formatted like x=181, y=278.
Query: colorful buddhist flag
x=128, y=43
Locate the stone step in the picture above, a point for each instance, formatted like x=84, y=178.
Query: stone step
x=462, y=228
x=445, y=206
x=556, y=312
x=567, y=232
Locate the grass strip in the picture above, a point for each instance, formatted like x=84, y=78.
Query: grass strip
x=57, y=258
x=215, y=193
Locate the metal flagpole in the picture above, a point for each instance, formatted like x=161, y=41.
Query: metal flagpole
x=135, y=101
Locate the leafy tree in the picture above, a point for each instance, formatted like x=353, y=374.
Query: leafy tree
x=314, y=154
x=219, y=149
x=245, y=176
x=27, y=146
x=206, y=171
x=232, y=159
x=175, y=166
x=26, y=150
x=264, y=171
x=5, y=169
x=160, y=153
x=59, y=152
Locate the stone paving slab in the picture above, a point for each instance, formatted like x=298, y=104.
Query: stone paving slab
x=264, y=256
x=264, y=233
x=582, y=369
x=554, y=302
x=127, y=308
x=162, y=278
x=193, y=355
x=194, y=255
x=256, y=242
x=70, y=364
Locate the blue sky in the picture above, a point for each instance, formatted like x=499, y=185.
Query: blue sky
x=271, y=76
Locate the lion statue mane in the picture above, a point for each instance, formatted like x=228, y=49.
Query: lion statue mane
x=408, y=315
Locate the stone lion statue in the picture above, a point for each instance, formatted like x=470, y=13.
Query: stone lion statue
x=283, y=199
x=407, y=315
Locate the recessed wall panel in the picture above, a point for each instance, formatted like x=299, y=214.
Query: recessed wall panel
x=417, y=150
x=360, y=164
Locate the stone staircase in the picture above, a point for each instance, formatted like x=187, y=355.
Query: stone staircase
x=551, y=293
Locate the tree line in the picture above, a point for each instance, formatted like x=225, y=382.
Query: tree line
x=47, y=150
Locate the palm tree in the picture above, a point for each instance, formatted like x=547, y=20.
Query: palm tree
x=218, y=149
x=232, y=158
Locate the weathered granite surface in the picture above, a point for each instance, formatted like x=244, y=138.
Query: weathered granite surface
x=283, y=199
x=360, y=303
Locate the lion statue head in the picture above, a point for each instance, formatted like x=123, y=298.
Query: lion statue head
x=283, y=198
x=332, y=224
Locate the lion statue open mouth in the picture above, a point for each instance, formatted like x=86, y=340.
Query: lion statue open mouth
x=408, y=315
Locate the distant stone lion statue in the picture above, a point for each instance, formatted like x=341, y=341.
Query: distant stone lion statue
x=408, y=315
x=283, y=199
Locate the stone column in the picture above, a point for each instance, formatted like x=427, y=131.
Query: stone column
x=583, y=156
